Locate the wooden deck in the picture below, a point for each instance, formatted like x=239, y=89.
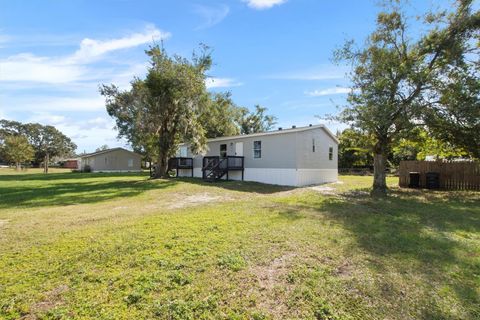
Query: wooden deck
x=213, y=167
x=178, y=163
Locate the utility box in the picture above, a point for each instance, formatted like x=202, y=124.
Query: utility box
x=414, y=180
x=432, y=180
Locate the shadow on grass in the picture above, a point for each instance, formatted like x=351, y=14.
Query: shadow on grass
x=67, y=176
x=241, y=186
x=37, y=190
x=47, y=192
x=434, y=231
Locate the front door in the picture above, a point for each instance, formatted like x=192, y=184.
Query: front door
x=239, y=149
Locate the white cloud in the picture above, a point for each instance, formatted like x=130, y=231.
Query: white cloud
x=63, y=90
x=53, y=103
x=87, y=134
x=211, y=15
x=328, y=92
x=91, y=49
x=4, y=39
x=30, y=68
x=100, y=123
x=263, y=4
x=47, y=118
x=221, y=83
x=88, y=140
x=27, y=67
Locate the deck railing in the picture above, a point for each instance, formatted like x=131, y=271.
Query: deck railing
x=180, y=163
x=235, y=162
x=228, y=162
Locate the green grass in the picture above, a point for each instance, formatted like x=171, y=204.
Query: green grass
x=120, y=246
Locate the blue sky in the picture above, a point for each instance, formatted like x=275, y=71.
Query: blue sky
x=276, y=53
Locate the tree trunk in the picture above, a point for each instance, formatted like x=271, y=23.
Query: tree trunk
x=161, y=168
x=18, y=166
x=45, y=164
x=379, y=168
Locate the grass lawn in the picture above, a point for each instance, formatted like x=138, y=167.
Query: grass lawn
x=120, y=246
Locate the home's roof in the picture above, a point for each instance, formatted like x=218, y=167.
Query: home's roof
x=278, y=131
x=106, y=151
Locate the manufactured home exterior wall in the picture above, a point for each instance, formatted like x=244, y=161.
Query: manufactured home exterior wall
x=278, y=151
x=114, y=161
x=287, y=158
x=315, y=167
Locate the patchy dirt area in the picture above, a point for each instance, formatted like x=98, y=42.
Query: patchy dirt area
x=52, y=299
x=193, y=200
x=344, y=270
x=273, y=284
x=324, y=189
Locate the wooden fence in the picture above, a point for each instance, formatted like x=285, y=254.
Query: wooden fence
x=454, y=175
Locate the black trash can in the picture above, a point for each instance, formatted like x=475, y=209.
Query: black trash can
x=414, y=180
x=432, y=180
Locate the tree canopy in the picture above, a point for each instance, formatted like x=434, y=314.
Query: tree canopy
x=47, y=141
x=394, y=73
x=163, y=109
x=17, y=149
x=255, y=121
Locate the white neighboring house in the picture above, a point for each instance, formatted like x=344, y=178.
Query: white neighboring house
x=292, y=157
x=112, y=160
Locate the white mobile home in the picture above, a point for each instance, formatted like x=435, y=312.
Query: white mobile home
x=292, y=157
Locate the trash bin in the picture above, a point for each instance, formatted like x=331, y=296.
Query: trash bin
x=432, y=180
x=414, y=180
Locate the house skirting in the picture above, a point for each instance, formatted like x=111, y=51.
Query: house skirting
x=284, y=177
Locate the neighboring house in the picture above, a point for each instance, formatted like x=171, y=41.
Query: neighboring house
x=292, y=157
x=112, y=160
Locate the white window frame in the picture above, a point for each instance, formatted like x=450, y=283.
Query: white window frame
x=258, y=149
x=130, y=163
x=226, y=150
x=330, y=153
x=313, y=145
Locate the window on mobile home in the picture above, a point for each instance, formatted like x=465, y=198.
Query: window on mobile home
x=223, y=150
x=257, y=149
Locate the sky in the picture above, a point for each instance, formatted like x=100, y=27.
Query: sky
x=277, y=53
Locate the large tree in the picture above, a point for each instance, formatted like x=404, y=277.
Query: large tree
x=394, y=70
x=17, y=149
x=47, y=141
x=220, y=116
x=255, y=121
x=164, y=108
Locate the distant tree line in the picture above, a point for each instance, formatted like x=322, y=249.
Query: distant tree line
x=32, y=143
x=355, y=149
x=172, y=105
